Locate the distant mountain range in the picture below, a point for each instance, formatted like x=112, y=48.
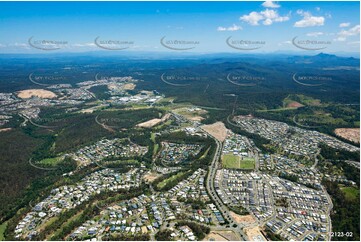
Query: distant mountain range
x=178, y=55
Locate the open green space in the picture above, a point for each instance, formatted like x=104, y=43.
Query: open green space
x=231, y=161
x=50, y=161
x=351, y=193
x=205, y=153
x=156, y=145
x=168, y=180
x=247, y=163
x=2, y=230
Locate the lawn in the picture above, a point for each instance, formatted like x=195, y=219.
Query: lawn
x=164, y=182
x=156, y=145
x=351, y=193
x=247, y=163
x=2, y=230
x=205, y=153
x=230, y=161
x=50, y=161
x=235, y=162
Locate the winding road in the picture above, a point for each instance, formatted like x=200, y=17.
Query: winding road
x=212, y=191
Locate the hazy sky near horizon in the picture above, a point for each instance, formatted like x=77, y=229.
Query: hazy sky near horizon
x=140, y=26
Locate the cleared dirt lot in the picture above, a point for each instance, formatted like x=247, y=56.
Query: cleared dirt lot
x=242, y=218
x=153, y=122
x=151, y=176
x=193, y=114
x=254, y=234
x=352, y=134
x=129, y=86
x=5, y=129
x=294, y=105
x=150, y=123
x=41, y=93
x=218, y=130
x=221, y=235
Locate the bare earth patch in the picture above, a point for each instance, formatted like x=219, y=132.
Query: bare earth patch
x=218, y=130
x=221, y=235
x=352, y=134
x=192, y=114
x=5, y=129
x=129, y=86
x=196, y=118
x=150, y=123
x=88, y=110
x=214, y=236
x=153, y=122
x=242, y=218
x=151, y=176
x=41, y=93
x=294, y=105
x=254, y=234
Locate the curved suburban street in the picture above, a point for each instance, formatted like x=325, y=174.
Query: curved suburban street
x=213, y=194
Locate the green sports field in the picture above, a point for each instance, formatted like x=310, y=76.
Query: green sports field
x=231, y=161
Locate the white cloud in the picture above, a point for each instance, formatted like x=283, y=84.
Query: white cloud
x=354, y=43
x=269, y=13
x=267, y=22
x=253, y=18
x=309, y=20
x=344, y=34
x=315, y=34
x=84, y=45
x=270, y=4
x=344, y=25
x=287, y=42
x=231, y=28
x=16, y=45
x=282, y=19
x=268, y=16
x=22, y=45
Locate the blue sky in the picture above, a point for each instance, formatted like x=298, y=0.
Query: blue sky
x=209, y=24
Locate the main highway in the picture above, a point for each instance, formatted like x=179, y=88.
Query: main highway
x=213, y=194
